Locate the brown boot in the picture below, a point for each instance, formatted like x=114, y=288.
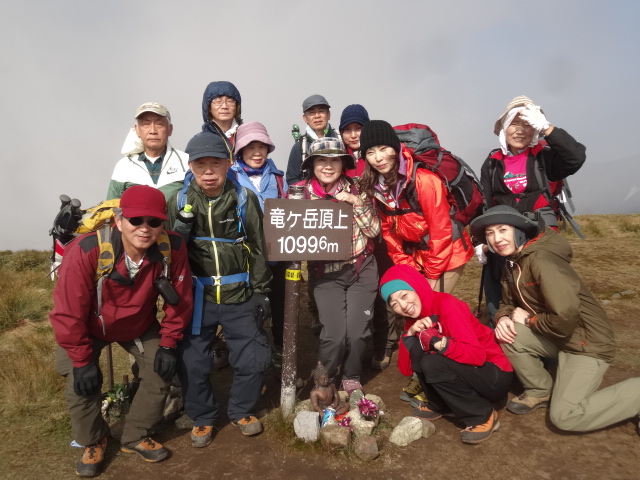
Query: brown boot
x=148, y=449
x=481, y=433
x=90, y=464
x=526, y=404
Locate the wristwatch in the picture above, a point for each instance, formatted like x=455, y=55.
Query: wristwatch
x=527, y=321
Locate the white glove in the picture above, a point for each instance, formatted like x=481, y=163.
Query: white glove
x=534, y=117
x=482, y=257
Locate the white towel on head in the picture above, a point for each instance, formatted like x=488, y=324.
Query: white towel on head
x=132, y=144
x=508, y=118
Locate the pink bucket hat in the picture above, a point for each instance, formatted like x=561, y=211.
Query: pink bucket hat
x=252, y=132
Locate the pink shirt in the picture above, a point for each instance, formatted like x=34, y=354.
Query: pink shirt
x=515, y=172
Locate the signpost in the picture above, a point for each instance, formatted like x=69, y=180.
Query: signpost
x=302, y=230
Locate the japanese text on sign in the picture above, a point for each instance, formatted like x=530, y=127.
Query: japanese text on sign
x=308, y=229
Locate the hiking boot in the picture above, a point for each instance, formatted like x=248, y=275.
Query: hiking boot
x=423, y=411
x=526, y=404
x=480, y=433
x=249, y=425
x=411, y=390
x=380, y=362
x=92, y=458
x=418, y=399
x=148, y=449
x=201, y=436
x=220, y=355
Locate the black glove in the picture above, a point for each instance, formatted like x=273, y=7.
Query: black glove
x=165, y=363
x=87, y=380
x=264, y=308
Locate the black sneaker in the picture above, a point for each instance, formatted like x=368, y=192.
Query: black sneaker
x=148, y=449
x=92, y=459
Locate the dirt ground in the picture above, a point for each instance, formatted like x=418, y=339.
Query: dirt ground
x=526, y=447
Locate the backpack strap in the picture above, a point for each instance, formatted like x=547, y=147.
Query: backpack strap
x=182, y=193
x=280, y=185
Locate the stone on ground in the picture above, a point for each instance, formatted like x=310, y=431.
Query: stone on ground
x=408, y=430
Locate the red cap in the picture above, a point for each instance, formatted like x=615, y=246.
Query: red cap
x=143, y=201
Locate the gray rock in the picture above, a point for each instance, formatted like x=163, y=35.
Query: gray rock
x=303, y=406
x=184, y=422
x=361, y=426
x=628, y=293
x=354, y=398
x=408, y=430
x=307, y=426
x=335, y=437
x=616, y=296
x=366, y=448
x=606, y=302
x=428, y=428
x=377, y=400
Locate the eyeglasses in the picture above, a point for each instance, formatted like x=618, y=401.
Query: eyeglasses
x=218, y=101
x=137, y=221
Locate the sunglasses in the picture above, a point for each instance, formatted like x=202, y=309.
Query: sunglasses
x=137, y=221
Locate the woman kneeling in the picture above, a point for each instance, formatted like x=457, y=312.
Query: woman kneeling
x=460, y=366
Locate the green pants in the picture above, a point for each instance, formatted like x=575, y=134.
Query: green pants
x=87, y=424
x=575, y=403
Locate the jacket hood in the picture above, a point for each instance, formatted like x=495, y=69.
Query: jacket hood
x=218, y=89
x=415, y=281
x=550, y=241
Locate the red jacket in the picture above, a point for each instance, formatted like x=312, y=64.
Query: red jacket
x=468, y=341
x=443, y=253
x=128, y=306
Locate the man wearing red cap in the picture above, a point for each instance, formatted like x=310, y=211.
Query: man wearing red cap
x=122, y=309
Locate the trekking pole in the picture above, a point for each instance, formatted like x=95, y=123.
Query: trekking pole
x=290, y=340
x=477, y=311
x=109, y=367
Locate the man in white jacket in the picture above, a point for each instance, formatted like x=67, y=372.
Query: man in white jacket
x=149, y=158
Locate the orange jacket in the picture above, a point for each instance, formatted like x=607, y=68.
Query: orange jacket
x=404, y=232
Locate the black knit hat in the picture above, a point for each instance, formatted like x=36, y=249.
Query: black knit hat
x=375, y=133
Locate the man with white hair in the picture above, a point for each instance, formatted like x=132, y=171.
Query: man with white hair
x=149, y=158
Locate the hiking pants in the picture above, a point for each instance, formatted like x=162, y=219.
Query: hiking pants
x=249, y=357
x=87, y=424
x=467, y=391
x=345, y=306
x=575, y=403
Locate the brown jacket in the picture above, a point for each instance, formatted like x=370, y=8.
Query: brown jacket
x=541, y=280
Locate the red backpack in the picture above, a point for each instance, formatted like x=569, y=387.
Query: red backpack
x=463, y=188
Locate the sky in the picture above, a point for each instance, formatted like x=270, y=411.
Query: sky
x=73, y=73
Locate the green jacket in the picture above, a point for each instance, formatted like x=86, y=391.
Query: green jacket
x=218, y=218
x=541, y=280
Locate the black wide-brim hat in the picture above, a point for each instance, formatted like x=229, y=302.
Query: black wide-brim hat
x=503, y=215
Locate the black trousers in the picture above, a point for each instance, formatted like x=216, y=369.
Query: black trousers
x=467, y=391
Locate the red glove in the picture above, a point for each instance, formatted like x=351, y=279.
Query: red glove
x=428, y=337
